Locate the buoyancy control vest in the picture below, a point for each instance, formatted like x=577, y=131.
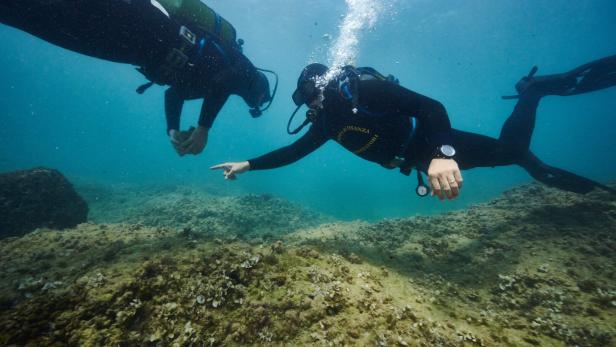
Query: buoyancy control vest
x=346, y=84
x=212, y=29
x=348, y=88
x=350, y=77
x=198, y=16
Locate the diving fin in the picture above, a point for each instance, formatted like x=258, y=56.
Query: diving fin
x=560, y=84
x=596, y=75
x=599, y=74
x=561, y=179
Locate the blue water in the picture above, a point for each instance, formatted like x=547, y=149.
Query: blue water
x=83, y=117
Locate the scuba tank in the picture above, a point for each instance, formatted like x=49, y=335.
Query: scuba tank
x=195, y=13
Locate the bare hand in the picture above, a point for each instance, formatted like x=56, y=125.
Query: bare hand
x=176, y=139
x=231, y=169
x=445, y=178
x=196, y=141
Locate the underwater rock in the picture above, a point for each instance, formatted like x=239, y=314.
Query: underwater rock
x=37, y=198
x=197, y=212
x=498, y=274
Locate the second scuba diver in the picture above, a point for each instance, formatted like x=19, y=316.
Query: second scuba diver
x=380, y=121
x=183, y=44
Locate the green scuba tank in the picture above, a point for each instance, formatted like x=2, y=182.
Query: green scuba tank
x=196, y=13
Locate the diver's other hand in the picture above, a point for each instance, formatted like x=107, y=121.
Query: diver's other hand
x=445, y=178
x=176, y=140
x=231, y=169
x=196, y=142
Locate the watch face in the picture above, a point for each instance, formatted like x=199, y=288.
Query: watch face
x=448, y=150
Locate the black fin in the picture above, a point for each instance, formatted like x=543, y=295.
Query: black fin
x=561, y=179
x=596, y=75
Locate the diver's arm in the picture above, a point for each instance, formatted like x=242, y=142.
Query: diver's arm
x=173, y=109
x=305, y=145
x=210, y=108
x=280, y=157
x=397, y=100
x=197, y=140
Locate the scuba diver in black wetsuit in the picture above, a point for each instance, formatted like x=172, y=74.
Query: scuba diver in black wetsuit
x=180, y=43
x=375, y=118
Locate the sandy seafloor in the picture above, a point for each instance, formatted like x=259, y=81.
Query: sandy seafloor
x=185, y=267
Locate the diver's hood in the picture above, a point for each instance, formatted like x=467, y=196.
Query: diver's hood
x=305, y=91
x=258, y=92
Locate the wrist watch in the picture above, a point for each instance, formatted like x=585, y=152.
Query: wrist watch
x=444, y=152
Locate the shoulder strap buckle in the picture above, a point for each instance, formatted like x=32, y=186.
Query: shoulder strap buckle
x=176, y=59
x=188, y=36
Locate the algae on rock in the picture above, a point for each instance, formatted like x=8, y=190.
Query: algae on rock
x=499, y=274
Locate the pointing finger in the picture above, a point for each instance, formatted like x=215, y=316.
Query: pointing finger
x=220, y=166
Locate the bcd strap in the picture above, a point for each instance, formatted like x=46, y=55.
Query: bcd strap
x=354, y=79
x=142, y=88
x=174, y=62
x=349, y=84
x=217, y=25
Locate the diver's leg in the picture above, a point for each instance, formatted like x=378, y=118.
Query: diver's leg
x=47, y=20
x=116, y=30
x=474, y=150
x=70, y=24
x=131, y=32
x=518, y=129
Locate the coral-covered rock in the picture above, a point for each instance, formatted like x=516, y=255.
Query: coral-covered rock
x=506, y=273
x=198, y=211
x=35, y=198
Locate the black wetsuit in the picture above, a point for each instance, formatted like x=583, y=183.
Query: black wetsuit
x=378, y=132
x=381, y=129
x=136, y=32
x=215, y=75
